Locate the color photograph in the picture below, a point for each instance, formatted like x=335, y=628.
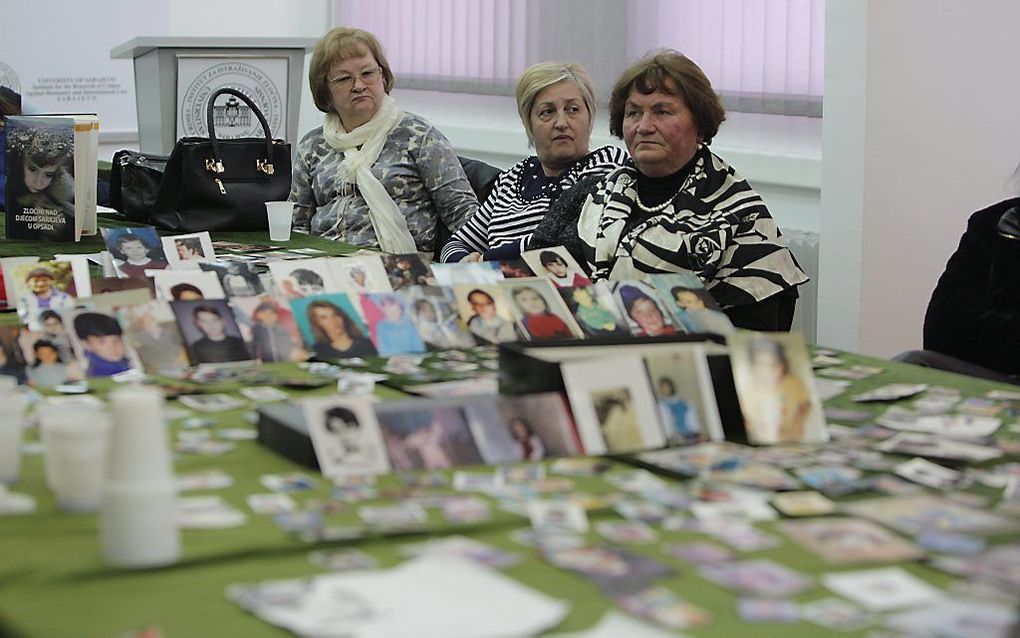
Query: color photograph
x=187, y=285
x=44, y=285
x=434, y=313
x=134, y=250
x=426, y=437
x=539, y=311
x=485, y=310
x=643, y=309
x=98, y=341
x=390, y=326
x=361, y=273
x=151, y=329
x=268, y=326
x=557, y=265
x=331, y=328
x=188, y=251
x=540, y=425
x=683, y=389
x=211, y=334
x=595, y=310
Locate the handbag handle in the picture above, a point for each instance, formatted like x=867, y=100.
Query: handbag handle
x=216, y=165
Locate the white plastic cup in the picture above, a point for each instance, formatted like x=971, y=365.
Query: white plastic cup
x=139, y=450
x=76, y=455
x=280, y=216
x=12, y=423
x=138, y=524
x=49, y=412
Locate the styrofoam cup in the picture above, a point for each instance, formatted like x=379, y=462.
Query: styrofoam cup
x=76, y=455
x=139, y=450
x=138, y=524
x=280, y=216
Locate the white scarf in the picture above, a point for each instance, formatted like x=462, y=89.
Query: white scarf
x=387, y=220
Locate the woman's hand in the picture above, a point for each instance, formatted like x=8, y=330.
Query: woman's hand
x=473, y=257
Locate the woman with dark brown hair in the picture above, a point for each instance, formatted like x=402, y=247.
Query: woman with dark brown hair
x=335, y=334
x=677, y=207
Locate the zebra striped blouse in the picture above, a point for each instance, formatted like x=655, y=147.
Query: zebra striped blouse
x=519, y=200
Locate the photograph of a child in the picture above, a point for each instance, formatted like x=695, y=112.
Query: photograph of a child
x=211, y=334
x=595, y=309
x=44, y=285
x=346, y=437
x=331, y=327
x=539, y=311
x=489, y=430
x=426, y=438
x=486, y=312
x=362, y=273
x=643, y=309
x=188, y=251
x=98, y=340
x=268, y=325
x=39, y=161
x=46, y=365
x=12, y=359
x=683, y=389
x=557, y=265
x=187, y=285
x=434, y=313
x=392, y=330
x=53, y=330
x=515, y=269
x=134, y=250
x=405, y=270
x=238, y=279
x=693, y=307
x=151, y=330
x=301, y=278
x=775, y=388
x=540, y=426
x=615, y=412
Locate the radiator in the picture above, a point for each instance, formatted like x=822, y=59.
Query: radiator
x=804, y=246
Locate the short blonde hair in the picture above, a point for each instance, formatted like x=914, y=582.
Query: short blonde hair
x=539, y=76
x=340, y=44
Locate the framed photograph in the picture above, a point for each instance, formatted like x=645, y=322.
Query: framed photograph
x=485, y=310
x=346, y=436
x=557, y=265
x=613, y=404
x=358, y=274
x=211, y=334
x=237, y=278
x=187, y=285
x=331, y=327
x=300, y=278
x=776, y=389
x=684, y=393
x=98, y=341
x=406, y=270
x=540, y=426
x=595, y=309
x=434, y=313
x=134, y=250
x=643, y=310
x=539, y=311
x=389, y=323
x=426, y=435
x=151, y=329
x=185, y=252
x=268, y=326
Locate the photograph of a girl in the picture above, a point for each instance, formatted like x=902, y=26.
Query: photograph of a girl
x=538, y=320
x=39, y=156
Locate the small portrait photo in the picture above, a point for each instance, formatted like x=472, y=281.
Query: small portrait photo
x=613, y=404
x=299, y=278
x=691, y=306
x=434, y=313
x=238, y=279
x=185, y=252
x=595, y=309
x=211, y=334
x=426, y=436
x=644, y=311
x=557, y=265
x=390, y=324
x=346, y=437
x=187, y=285
x=44, y=285
x=151, y=330
x=539, y=311
x=776, y=389
x=485, y=310
x=683, y=390
x=39, y=156
x=134, y=250
x=12, y=359
x=540, y=426
x=331, y=327
x=52, y=329
x=98, y=341
x=464, y=273
x=406, y=270
x=45, y=366
x=103, y=285
x=267, y=324
x=363, y=273
x=515, y=269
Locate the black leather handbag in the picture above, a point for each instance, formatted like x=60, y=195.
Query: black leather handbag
x=134, y=182
x=212, y=184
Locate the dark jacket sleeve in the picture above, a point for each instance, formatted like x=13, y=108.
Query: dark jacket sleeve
x=559, y=226
x=974, y=312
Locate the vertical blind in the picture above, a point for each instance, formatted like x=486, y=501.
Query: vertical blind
x=762, y=55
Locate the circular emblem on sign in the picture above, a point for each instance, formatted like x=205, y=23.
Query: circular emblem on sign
x=232, y=118
x=9, y=78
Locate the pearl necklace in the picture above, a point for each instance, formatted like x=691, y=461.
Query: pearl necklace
x=654, y=209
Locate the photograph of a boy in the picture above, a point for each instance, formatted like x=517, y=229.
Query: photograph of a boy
x=273, y=333
x=151, y=330
x=427, y=439
x=535, y=316
x=187, y=285
x=484, y=318
x=556, y=267
x=186, y=292
x=101, y=340
x=405, y=270
x=617, y=420
x=647, y=318
x=134, y=250
x=210, y=332
x=41, y=291
x=392, y=330
x=596, y=313
x=39, y=158
x=237, y=279
x=52, y=330
x=302, y=278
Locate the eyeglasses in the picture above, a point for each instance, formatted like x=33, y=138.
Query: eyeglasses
x=368, y=77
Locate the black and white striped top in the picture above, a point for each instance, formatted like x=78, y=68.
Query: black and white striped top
x=519, y=200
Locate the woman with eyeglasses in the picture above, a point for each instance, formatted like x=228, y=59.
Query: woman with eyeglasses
x=372, y=175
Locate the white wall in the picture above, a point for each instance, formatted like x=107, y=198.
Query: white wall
x=921, y=128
